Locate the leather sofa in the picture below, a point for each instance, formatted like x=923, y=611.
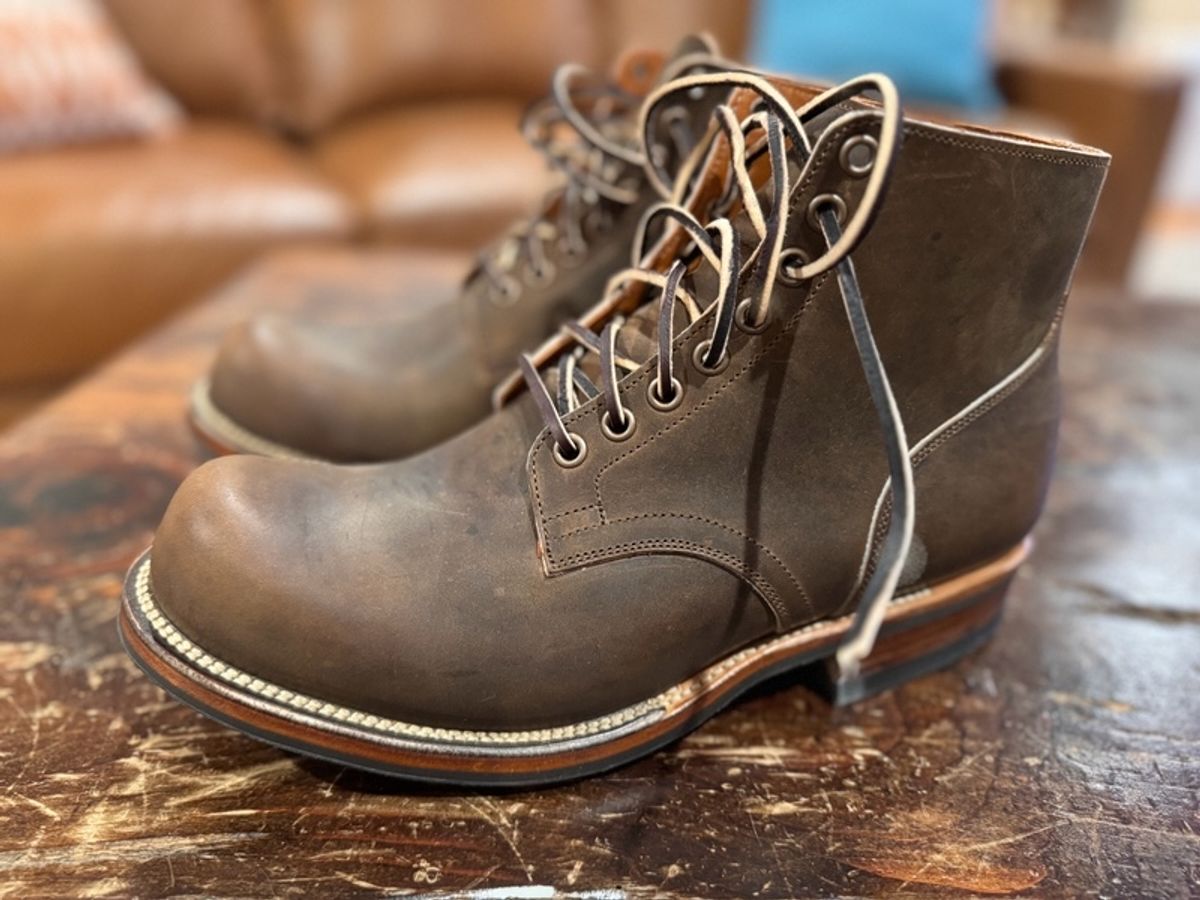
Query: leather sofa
x=307, y=121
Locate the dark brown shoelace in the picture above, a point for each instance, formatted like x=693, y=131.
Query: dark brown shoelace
x=601, y=163
x=784, y=141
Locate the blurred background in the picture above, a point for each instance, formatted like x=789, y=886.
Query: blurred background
x=149, y=149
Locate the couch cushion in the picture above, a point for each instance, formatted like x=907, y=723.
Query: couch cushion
x=306, y=65
x=339, y=58
x=98, y=242
x=636, y=23
x=216, y=57
x=453, y=173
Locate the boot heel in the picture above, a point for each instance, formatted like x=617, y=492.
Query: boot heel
x=913, y=646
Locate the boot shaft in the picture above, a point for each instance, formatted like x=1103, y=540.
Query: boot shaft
x=772, y=467
x=589, y=223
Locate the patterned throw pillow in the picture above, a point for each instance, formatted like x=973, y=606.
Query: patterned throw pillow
x=66, y=77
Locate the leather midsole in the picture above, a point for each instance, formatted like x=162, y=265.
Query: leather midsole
x=807, y=644
x=227, y=435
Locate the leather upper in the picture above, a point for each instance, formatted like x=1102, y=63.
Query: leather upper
x=421, y=593
x=949, y=290
x=482, y=584
x=393, y=387
x=410, y=378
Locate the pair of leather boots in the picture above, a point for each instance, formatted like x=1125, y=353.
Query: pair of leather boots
x=805, y=414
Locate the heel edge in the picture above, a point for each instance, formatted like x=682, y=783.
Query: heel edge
x=914, y=647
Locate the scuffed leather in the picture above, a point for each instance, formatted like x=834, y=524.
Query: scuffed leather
x=989, y=471
x=414, y=589
x=390, y=388
x=963, y=273
x=480, y=584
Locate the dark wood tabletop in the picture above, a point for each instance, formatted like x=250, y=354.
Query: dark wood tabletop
x=1063, y=759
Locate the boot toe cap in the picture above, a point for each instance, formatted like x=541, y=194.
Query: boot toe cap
x=209, y=548
x=252, y=565
x=260, y=381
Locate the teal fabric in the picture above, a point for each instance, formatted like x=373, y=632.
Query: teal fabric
x=935, y=50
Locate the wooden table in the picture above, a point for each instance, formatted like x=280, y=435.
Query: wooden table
x=1063, y=759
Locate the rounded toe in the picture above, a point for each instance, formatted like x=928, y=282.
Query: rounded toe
x=206, y=548
x=245, y=566
x=258, y=382
x=230, y=567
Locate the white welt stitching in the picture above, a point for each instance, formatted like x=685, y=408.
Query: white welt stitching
x=662, y=703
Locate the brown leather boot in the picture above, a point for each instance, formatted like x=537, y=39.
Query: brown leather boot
x=377, y=391
x=823, y=437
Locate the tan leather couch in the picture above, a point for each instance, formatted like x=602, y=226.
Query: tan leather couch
x=309, y=120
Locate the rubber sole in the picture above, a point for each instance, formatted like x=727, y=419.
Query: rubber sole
x=923, y=631
x=223, y=435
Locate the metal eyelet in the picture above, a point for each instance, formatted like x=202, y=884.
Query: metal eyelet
x=507, y=294
x=614, y=434
x=819, y=202
x=598, y=222
x=741, y=318
x=657, y=402
x=698, y=359
x=570, y=462
x=791, y=261
x=570, y=252
x=863, y=166
x=543, y=274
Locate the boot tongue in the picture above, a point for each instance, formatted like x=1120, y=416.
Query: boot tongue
x=638, y=72
x=638, y=337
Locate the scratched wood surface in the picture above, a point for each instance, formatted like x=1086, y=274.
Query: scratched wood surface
x=1063, y=759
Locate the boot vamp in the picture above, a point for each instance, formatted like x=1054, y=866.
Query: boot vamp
x=353, y=392
x=414, y=590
